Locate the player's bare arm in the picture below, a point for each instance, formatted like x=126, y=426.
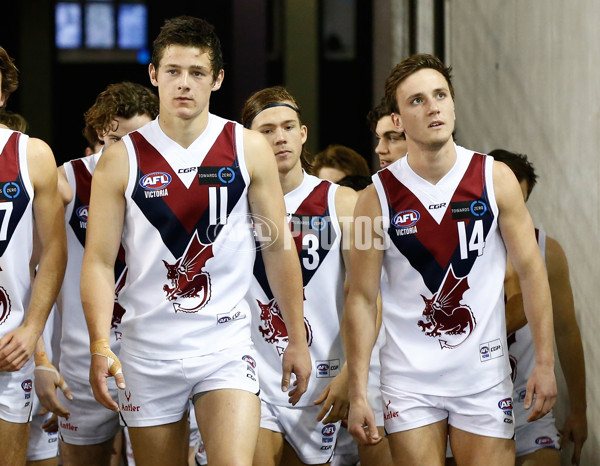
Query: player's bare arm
x=64, y=188
x=518, y=233
x=103, y=237
x=570, y=349
x=16, y=347
x=281, y=259
x=335, y=396
x=360, y=313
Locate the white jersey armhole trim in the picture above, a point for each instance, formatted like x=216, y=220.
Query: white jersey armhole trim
x=23, y=166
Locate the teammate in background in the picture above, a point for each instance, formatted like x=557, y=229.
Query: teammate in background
x=337, y=161
x=428, y=218
x=320, y=214
x=179, y=193
x=537, y=443
x=89, y=433
x=42, y=449
x=29, y=193
x=94, y=142
x=391, y=143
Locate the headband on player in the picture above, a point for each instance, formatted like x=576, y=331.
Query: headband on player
x=277, y=104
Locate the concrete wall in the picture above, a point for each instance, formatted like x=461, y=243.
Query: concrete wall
x=525, y=75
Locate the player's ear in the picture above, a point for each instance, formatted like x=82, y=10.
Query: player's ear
x=217, y=84
x=152, y=72
x=397, y=120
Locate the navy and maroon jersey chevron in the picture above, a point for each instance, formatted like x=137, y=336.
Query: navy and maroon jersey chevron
x=172, y=213
x=456, y=242
x=81, y=201
x=14, y=197
x=313, y=235
x=81, y=205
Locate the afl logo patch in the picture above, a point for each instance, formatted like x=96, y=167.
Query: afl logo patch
x=4, y=305
x=249, y=360
x=27, y=385
x=406, y=218
x=328, y=430
x=155, y=181
x=544, y=441
x=82, y=213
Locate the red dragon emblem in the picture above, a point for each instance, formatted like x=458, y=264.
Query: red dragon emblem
x=187, y=278
x=274, y=330
x=445, y=315
x=4, y=305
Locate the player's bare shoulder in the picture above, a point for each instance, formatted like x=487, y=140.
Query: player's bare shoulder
x=345, y=201
x=113, y=166
x=257, y=151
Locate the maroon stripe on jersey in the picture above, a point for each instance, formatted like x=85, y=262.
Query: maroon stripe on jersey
x=83, y=181
x=315, y=204
x=150, y=160
x=429, y=232
x=9, y=158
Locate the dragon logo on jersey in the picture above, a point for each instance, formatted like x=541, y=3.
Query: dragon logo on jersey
x=118, y=310
x=274, y=330
x=190, y=283
x=4, y=305
x=445, y=315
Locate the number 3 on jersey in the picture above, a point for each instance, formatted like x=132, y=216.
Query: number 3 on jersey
x=310, y=244
x=475, y=243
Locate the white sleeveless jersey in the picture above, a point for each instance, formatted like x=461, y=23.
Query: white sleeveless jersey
x=317, y=235
x=522, y=353
x=75, y=341
x=443, y=302
x=16, y=229
x=188, y=243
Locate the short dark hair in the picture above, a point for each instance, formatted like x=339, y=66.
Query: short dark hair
x=409, y=66
x=377, y=113
x=343, y=158
x=124, y=100
x=268, y=96
x=10, y=75
x=356, y=182
x=189, y=31
x=518, y=163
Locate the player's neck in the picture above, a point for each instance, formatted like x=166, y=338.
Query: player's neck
x=291, y=179
x=432, y=163
x=184, y=131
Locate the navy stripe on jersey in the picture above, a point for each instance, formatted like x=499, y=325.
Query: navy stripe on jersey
x=14, y=197
x=434, y=247
x=313, y=233
x=81, y=201
x=173, y=215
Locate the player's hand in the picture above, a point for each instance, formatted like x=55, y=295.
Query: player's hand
x=105, y=364
x=47, y=379
x=296, y=360
x=16, y=347
x=335, y=399
x=574, y=430
x=542, y=384
x=51, y=425
x=361, y=423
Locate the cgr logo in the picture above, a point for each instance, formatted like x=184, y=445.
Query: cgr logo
x=406, y=218
x=187, y=170
x=82, y=213
x=155, y=181
x=436, y=206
